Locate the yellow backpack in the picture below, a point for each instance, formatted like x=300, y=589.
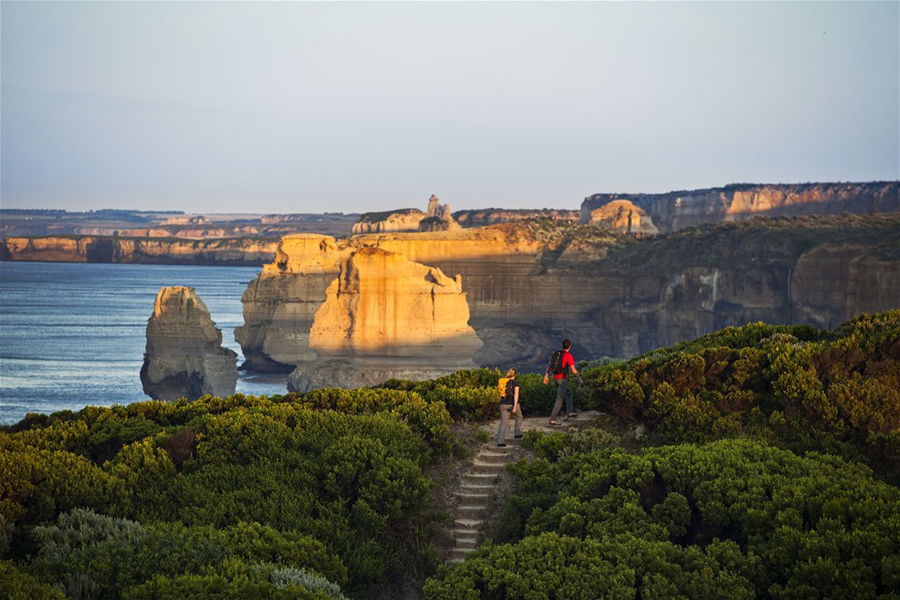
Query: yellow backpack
x=501, y=387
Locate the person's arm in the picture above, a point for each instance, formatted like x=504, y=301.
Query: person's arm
x=515, y=400
x=572, y=365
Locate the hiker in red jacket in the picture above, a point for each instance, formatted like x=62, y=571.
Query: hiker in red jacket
x=561, y=363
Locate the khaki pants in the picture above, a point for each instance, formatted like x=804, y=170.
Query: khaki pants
x=505, y=410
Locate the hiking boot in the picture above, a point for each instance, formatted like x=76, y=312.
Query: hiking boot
x=518, y=435
x=501, y=445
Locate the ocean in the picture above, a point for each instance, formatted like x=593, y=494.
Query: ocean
x=73, y=334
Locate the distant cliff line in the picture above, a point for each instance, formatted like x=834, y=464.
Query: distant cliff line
x=676, y=210
x=113, y=249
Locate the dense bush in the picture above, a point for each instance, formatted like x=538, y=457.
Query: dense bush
x=96, y=556
x=345, y=468
x=559, y=567
x=16, y=585
x=473, y=395
x=837, y=392
x=469, y=394
x=766, y=522
x=429, y=419
x=36, y=485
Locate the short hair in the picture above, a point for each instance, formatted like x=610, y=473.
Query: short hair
x=512, y=372
x=567, y=344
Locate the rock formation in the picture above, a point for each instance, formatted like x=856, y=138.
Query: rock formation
x=434, y=207
x=280, y=304
x=404, y=219
x=439, y=217
x=385, y=316
x=493, y=216
x=622, y=215
x=113, y=249
x=184, y=356
x=676, y=210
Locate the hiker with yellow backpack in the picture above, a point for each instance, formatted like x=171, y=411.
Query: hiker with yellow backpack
x=508, y=388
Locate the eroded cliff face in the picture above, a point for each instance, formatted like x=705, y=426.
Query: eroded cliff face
x=533, y=283
x=111, y=249
x=494, y=216
x=404, y=219
x=280, y=304
x=184, y=356
x=385, y=316
x=677, y=210
x=623, y=215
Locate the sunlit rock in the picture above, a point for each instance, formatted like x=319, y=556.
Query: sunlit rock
x=184, y=356
x=622, y=215
x=385, y=316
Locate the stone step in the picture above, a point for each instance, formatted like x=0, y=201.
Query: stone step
x=488, y=469
x=487, y=480
x=510, y=440
x=471, y=510
x=466, y=494
x=466, y=532
x=468, y=523
x=493, y=457
x=476, y=477
x=470, y=542
x=475, y=488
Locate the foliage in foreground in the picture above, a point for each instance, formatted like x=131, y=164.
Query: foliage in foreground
x=351, y=486
x=837, y=392
x=731, y=519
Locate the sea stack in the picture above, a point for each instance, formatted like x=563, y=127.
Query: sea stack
x=184, y=356
x=385, y=316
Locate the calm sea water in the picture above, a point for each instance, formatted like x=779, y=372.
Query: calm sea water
x=73, y=334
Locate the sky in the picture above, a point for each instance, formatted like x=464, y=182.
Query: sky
x=351, y=107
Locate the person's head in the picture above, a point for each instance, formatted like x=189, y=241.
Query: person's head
x=512, y=373
x=567, y=344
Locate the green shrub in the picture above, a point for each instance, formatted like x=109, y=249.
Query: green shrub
x=789, y=519
x=812, y=390
x=96, y=556
x=37, y=485
x=16, y=585
x=559, y=567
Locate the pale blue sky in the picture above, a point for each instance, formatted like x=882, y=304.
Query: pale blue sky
x=313, y=107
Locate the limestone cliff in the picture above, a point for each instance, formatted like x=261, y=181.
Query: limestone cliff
x=279, y=305
x=622, y=215
x=676, y=210
x=493, y=216
x=404, y=219
x=385, y=316
x=114, y=249
x=531, y=283
x=184, y=356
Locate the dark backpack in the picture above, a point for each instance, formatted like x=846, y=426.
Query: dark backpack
x=556, y=362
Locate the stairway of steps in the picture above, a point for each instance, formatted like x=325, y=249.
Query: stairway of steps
x=474, y=497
